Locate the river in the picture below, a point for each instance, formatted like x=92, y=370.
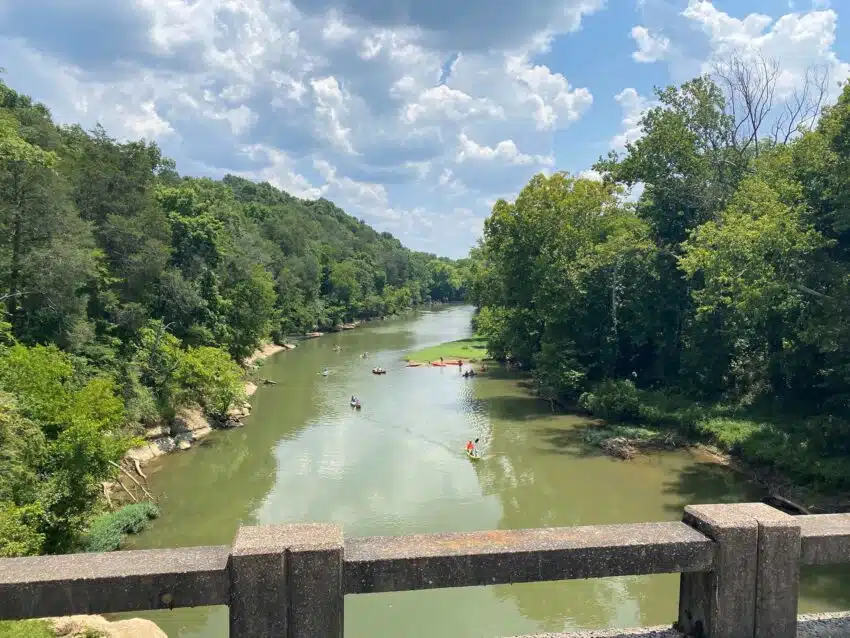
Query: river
x=398, y=467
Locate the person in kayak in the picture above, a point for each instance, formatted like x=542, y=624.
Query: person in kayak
x=470, y=446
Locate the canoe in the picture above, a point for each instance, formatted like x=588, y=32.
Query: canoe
x=413, y=365
x=473, y=455
x=437, y=364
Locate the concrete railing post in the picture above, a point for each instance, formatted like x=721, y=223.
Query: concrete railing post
x=752, y=590
x=778, y=579
x=721, y=603
x=286, y=581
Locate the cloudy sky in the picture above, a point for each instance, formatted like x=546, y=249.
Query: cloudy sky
x=412, y=114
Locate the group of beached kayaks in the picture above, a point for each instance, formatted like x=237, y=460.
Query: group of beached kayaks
x=435, y=364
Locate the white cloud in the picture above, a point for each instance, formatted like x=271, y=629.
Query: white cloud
x=279, y=171
x=393, y=121
x=797, y=40
x=505, y=151
x=650, y=48
x=590, y=174
x=633, y=106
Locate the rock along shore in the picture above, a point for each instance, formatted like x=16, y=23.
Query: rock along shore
x=191, y=424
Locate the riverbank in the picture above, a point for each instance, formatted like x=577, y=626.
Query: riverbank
x=265, y=352
x=472, y=349
x=190, y=425
x=82, y=626
x=768, y=448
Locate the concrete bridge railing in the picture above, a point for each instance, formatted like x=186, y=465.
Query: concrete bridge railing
x=739, y=567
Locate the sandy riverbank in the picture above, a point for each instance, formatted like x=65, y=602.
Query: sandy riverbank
x=191, y=424
x=263, y=353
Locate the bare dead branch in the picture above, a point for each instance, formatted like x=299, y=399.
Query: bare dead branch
x=803, y=107
x=750, y=87
x=12, y=295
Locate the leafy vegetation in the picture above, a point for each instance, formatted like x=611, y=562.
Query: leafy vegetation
x=26, y=629
x=717, y=302
x=128, y=292
x=107, y=531
x=473, y=348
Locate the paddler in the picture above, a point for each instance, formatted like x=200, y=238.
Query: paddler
x=470, y=446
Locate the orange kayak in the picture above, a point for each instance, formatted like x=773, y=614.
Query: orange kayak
x=437, y=364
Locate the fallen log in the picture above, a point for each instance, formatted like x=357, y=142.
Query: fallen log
x=132, y=478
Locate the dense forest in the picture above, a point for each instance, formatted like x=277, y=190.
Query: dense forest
x=718, y=302
x=128, y=292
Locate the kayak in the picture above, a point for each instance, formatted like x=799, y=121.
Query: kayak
x=437, y=364
x=473, y=455
x=413, y=365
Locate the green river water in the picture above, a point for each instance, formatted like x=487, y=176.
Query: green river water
x=398, y=467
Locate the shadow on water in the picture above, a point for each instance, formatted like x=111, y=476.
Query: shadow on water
x=514, y=408
x=398, y=467
x=706, y=482
x=568, y=441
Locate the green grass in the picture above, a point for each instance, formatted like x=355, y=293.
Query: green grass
x=474, y=348
x=801, y=448
x=107, y=532
x=26, y=629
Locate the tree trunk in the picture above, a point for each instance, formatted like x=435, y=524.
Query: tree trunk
x=17, y=242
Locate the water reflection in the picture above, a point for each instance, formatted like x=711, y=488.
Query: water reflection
x=398, y=467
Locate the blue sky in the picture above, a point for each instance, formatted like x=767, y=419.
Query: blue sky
x=415, y=115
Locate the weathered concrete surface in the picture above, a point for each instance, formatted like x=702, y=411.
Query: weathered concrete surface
x=286, y=580
x=778, y=574
x=426, y=561
x=835, y=625
x=316, y=596
x=112, y=582
x=825, y=539
x=808, y=626
x=722, y=603
x=258, y=600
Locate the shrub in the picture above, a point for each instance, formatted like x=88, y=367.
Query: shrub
x=613, y=401
x=20, y=530
x=107, y=532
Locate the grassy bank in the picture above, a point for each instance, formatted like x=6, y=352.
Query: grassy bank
x=108, y=531
x=26, y=629
x=778, y=448
x=471, y=349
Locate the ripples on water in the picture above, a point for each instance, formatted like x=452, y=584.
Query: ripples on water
x=398, y=467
